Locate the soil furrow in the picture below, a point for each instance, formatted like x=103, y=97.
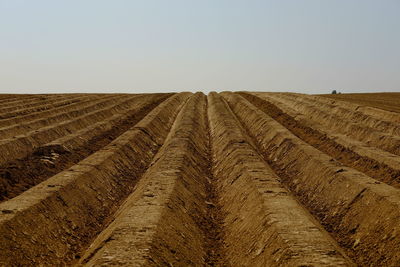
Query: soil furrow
x=65, y=114
x=370, y=166
x=23, y=145
x=265, y=225
x=27, y=100
x=378, y=119
x=361, y=214
x=21, y=174
x=376, y=154
x=162, y=221
x=386, y=101
x=46, y=104
x=213, y=229
x=9, y=110
x=40, y=114
x=358, y=131
x=52, y=222
x=183, y=179
x=11, y=97
x=366, y=114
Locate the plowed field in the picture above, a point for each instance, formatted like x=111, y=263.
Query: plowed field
x=228, y=179
x=386, y=101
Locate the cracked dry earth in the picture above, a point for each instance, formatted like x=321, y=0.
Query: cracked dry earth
x=183, y=179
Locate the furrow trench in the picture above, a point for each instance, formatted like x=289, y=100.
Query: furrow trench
x=356, y=130
x=265, y=225
x=183, y=179
x=21, y=174
x=372, y=164
x=51, y=223
x=172, y=217
x=22, y=145
x=361, y=214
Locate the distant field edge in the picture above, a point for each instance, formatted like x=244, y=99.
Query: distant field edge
x=389, y=101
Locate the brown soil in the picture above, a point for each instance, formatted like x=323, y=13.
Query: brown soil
x=42, y=105
x=81, y=201
x=229, y=179
x=386, y=101
x=366, y=127
x=19, y=175
x=319, y=140
x=338, y=196
x=259, y=209
x=175, y=189
x=213, y=222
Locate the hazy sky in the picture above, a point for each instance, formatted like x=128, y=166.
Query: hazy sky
x=310, y=46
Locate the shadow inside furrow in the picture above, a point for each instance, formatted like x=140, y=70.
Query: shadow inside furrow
x=214, y=223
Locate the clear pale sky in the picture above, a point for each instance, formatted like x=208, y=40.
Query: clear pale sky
x=309, y=46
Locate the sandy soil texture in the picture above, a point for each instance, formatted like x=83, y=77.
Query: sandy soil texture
x=386, y=101
x=187, y=179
